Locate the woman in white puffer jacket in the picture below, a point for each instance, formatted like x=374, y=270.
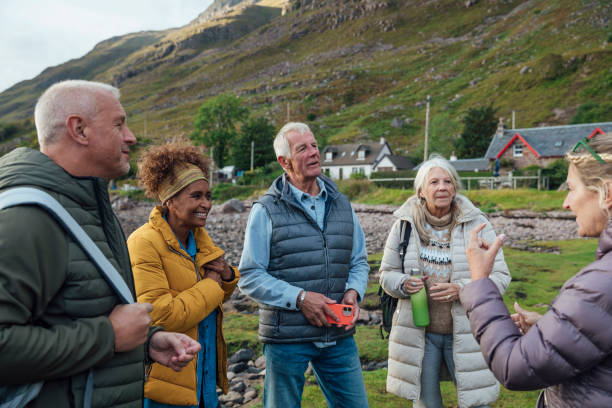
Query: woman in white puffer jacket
x=441, y=222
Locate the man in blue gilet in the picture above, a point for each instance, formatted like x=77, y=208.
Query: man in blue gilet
x=304, y=249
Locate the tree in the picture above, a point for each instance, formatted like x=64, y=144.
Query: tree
x=479, y=124
x=260, y=131
x=216, y=124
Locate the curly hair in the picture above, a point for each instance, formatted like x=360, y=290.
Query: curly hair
x=158, y=162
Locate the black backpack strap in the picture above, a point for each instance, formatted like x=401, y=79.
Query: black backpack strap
x=403, y=245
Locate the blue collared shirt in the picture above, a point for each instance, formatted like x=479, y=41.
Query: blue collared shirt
x=255, y=280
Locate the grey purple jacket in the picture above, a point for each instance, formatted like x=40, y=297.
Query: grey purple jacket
x=569, y=350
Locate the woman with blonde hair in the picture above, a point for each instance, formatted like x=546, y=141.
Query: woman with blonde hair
x=568, y=350
x=179, y=270
x=440, y=221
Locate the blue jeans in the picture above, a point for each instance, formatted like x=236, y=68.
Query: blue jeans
x=437, y=346
x=336, y=368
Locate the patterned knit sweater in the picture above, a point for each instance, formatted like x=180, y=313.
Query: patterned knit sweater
x=436, y=264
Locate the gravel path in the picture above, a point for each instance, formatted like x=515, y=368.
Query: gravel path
x=227, y=230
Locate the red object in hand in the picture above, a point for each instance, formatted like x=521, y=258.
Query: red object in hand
x=344, y=313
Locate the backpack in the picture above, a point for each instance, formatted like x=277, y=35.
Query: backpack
x=388, y=303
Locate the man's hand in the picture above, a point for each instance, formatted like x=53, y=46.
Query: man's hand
x=481, y=254
x=174, y=350
x=221, y=267
x=351, y=298
x=315, y=309
x=524, y=319
x=130, y=325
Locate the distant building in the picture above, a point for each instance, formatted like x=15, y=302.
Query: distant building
x=340, y=161
x=541, y=145
x=473, y=165
x=227, y=172
x=391, y=162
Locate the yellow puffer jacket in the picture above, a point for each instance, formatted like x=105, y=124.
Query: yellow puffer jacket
x=166, y=276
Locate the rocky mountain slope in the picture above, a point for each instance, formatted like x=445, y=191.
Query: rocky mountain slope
x=357, y=70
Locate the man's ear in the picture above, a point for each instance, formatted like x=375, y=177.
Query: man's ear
x=75, y=126
x=284, y=162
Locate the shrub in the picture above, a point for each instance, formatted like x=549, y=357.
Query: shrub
x=355, y=189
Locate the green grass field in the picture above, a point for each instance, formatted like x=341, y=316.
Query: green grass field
x=536, y=279
x=366, y=192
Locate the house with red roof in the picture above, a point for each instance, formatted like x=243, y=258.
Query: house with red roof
x=541, y=145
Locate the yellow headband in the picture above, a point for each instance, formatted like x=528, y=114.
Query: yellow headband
x=182, y=175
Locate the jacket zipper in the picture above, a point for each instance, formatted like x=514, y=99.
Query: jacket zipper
x=195, y=266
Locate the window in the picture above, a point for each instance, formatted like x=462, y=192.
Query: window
x=361, y=155
x=518, y=150
x=329, y=156
x=355, y=170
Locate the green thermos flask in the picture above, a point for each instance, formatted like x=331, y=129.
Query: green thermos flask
x=420, y=312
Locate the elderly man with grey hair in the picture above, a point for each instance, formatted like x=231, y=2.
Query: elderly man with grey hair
x=62, y=324
x=304, y=249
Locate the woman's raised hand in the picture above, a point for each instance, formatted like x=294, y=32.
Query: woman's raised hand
x=524, y=319
x=481, y=254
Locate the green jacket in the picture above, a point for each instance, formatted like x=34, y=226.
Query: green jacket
x=54, y=304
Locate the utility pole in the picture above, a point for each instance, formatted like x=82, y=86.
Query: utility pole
x=513, y=120
x=211, y=172
x=426, y=129
x=252, y=153
x=288, y=112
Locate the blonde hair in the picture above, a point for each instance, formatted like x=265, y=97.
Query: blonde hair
x=418, y=212
x=595, y=176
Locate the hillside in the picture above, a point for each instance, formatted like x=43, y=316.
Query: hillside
x=350, y=67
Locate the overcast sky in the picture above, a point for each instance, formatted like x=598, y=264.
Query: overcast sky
x=36, y=34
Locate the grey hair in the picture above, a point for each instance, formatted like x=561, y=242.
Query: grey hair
x=62, y=99
x=420, y=180
x=281, y=144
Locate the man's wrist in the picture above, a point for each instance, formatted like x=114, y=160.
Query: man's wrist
x=300, y=300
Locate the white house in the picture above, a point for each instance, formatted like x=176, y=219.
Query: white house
x=393, y=163
x=340, y=161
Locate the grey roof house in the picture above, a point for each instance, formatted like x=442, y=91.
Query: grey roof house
x=340, y=161
x=391, y=162
x=540, y=145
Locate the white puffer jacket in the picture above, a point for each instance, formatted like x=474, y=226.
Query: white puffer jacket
x=476, y=385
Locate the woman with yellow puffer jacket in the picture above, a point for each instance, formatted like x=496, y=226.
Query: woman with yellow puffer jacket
x=179, y=270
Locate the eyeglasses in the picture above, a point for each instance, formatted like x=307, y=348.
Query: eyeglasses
x=584, y=142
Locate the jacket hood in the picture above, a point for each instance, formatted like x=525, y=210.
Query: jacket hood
x=605, y=240
x=467, y=210
x=28, y=167
x=280, y=187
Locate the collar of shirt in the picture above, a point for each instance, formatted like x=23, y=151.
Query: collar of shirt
x=191, y=249
x=303, y=197
x=312, y=205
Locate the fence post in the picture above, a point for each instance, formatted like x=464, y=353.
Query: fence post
x=539, y=177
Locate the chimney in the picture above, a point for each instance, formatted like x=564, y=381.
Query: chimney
x=453, y=156
x=500, y=127
x=383, y=141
